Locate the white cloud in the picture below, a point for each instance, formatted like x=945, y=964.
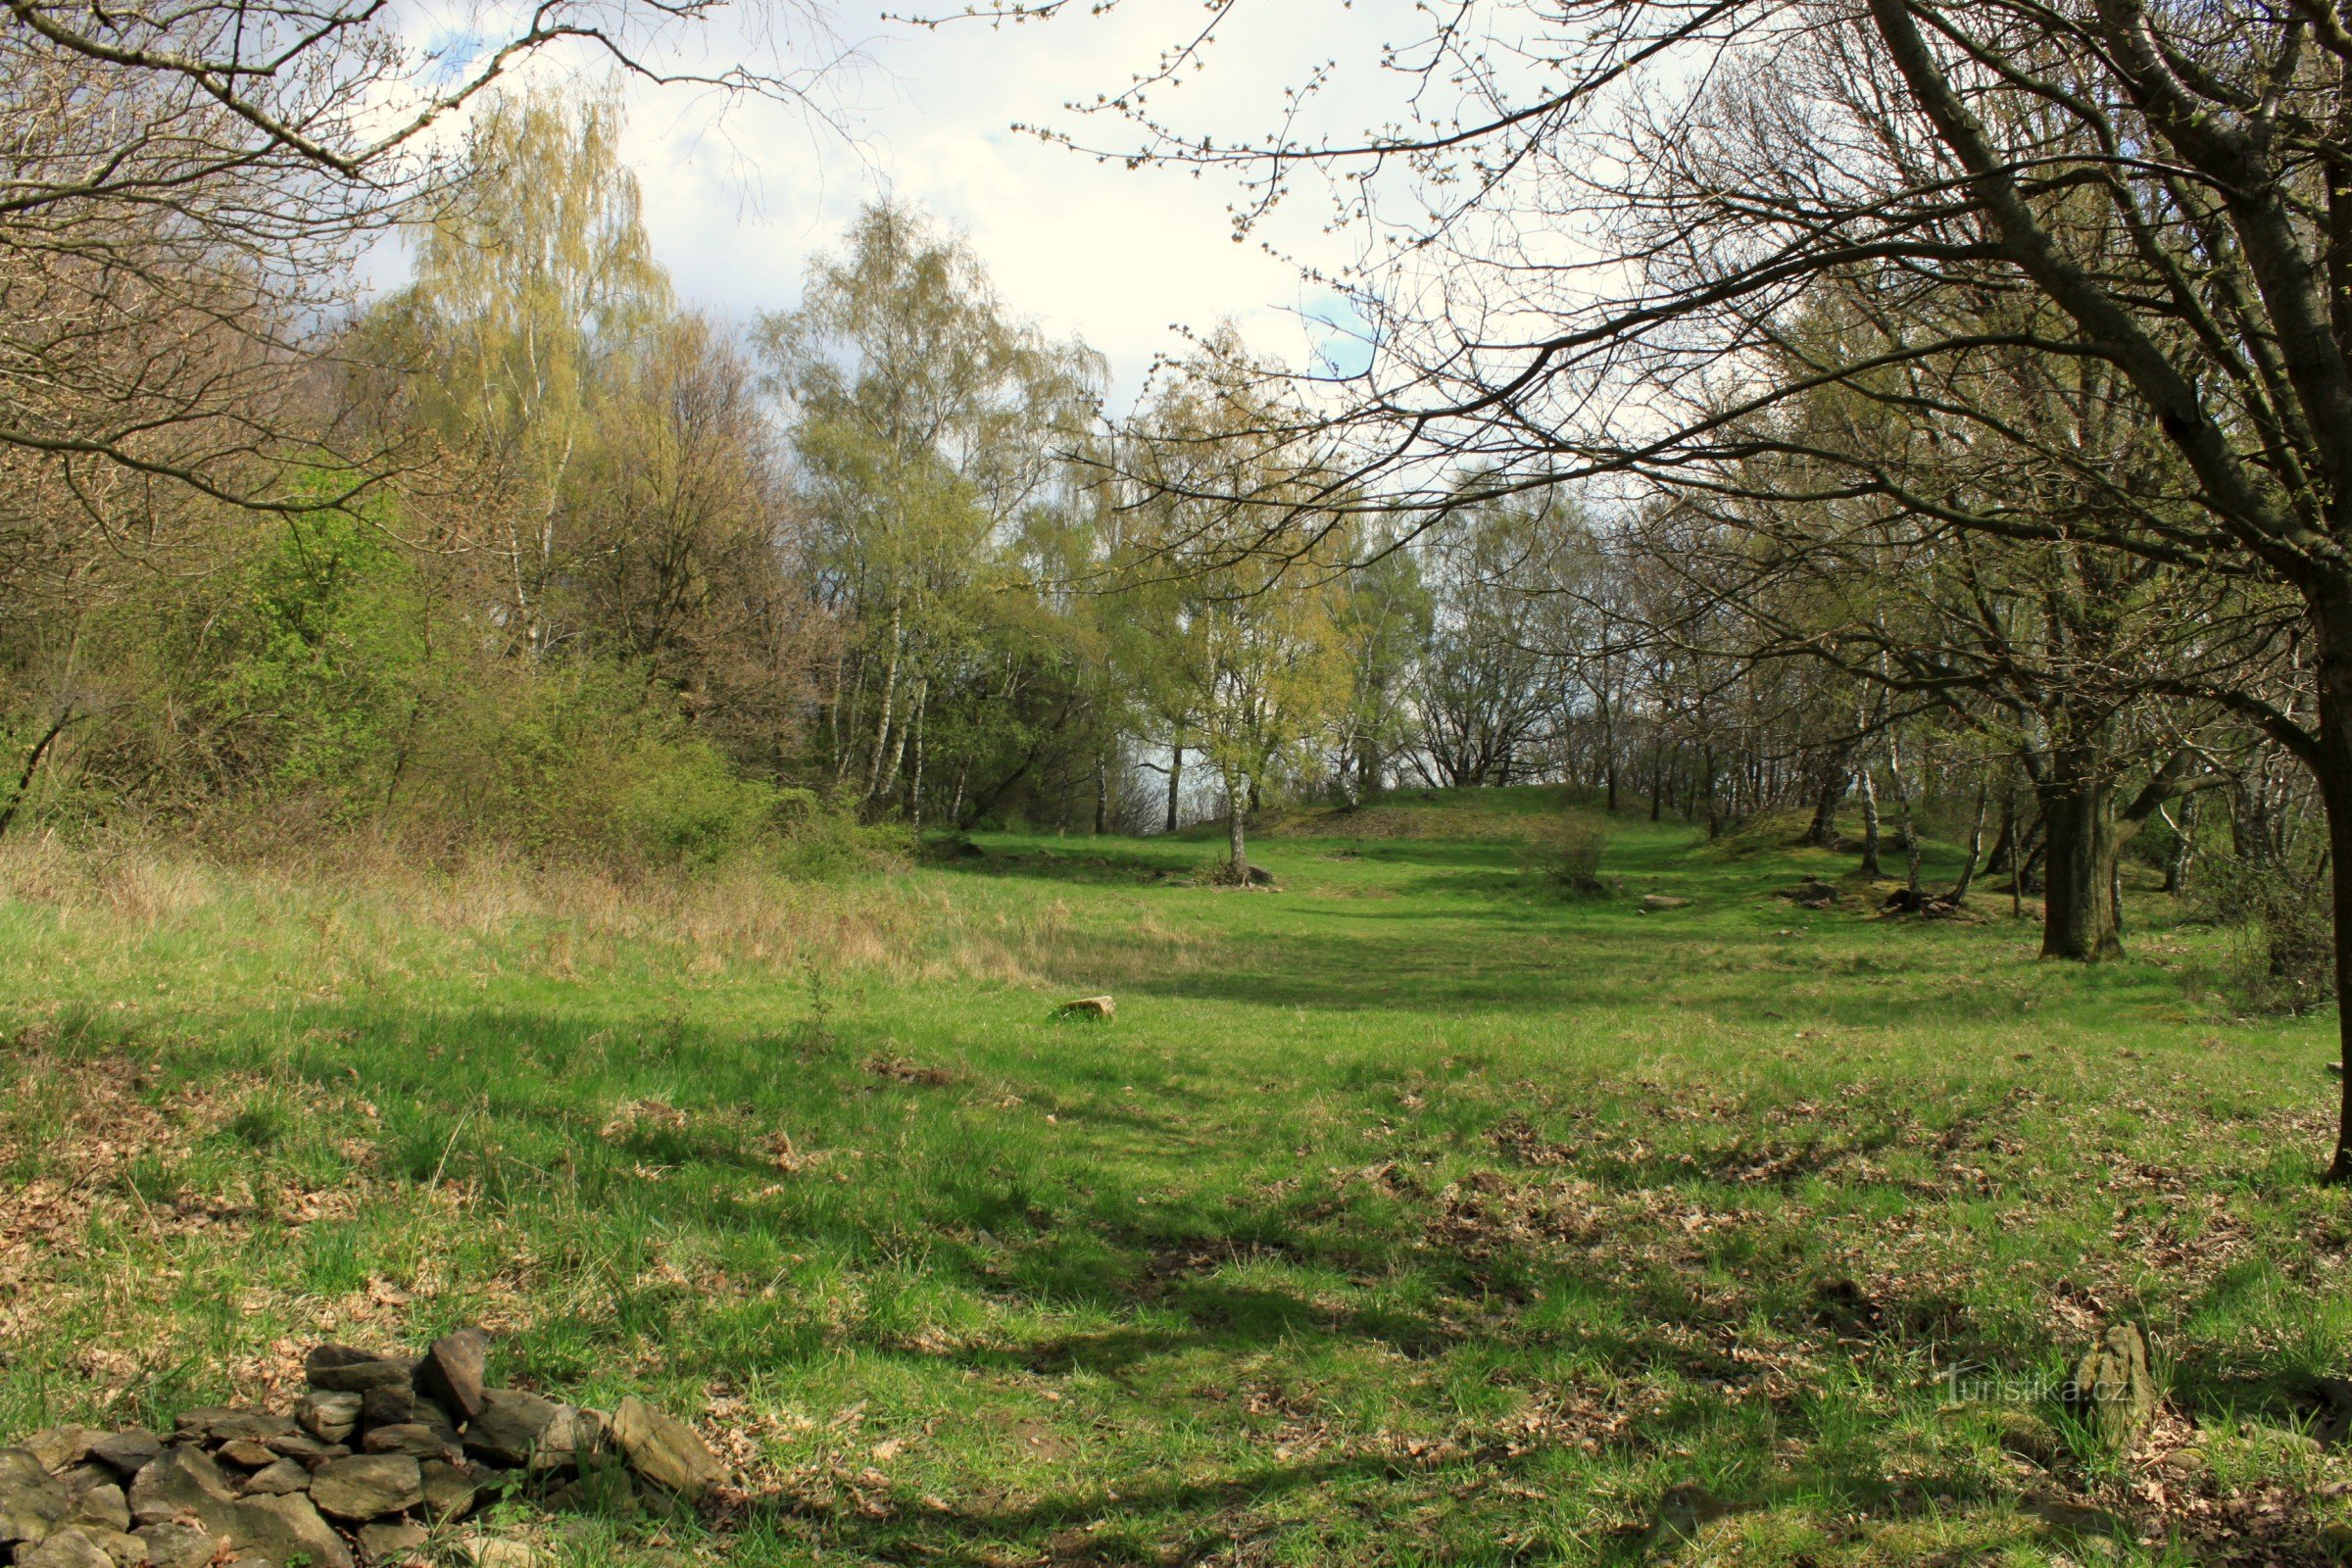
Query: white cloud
x=738, y=202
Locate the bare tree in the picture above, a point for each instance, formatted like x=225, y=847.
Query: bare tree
x=1623, y=230
x=181, y=191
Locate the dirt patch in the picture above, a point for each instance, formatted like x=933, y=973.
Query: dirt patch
x=906, y=1070
x=91, y=1142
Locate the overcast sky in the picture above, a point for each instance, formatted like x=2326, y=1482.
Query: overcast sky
x=737, y=203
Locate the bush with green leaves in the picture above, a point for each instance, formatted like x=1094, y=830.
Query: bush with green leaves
x=1565, y=851
x=2287, y=962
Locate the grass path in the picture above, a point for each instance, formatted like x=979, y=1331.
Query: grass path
x=1405, y=1215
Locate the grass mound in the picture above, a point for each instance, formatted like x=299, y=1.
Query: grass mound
x=1767, y=833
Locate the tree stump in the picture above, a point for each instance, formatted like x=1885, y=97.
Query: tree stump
x=2111, y=1387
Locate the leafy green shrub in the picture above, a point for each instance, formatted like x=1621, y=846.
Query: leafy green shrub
x=2288, y=963
x=1565, y=851
x=310, y=660
x=688, y=808
x=824, y=838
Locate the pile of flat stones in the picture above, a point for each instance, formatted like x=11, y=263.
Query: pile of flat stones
x=378, y=1455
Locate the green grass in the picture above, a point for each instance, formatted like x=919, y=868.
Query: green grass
x=1407, y=1215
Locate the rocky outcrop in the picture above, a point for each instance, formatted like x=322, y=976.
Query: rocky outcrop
x=373, y=1463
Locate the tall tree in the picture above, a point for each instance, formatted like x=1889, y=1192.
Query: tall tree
x=2165, y=183
x=1250, y=591
x=186, y=187
x=532, y=294
x=928, y=425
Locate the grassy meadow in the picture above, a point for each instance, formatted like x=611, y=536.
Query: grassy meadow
x=1413, y=1213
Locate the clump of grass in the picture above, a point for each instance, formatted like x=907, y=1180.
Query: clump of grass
x=344, y=910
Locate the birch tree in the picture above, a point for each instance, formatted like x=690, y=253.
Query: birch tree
x=1249, y=585
x=927, y=423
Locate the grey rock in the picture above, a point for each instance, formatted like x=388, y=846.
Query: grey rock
x=664, y=1450
x=411, y=1437
x=127, y=1450
x=390, y=1541
x=104, y=1506
x=387, y=1404
x=449, y=1491
x=367, y=1486
x=278, y=1480
x=246, y=1454
x=344, y=1370
x=285, y=1530
x=64, y=1549
x=178, y=1545
x=177, y=1482
x=20, y=1467
x=123, y=1551
x=85, y=1475
x=329, y=1415
x=302, y=1445
x=572, y=1439
x=434, y=1414
x=508, y=1428
x=61, y=1448
x=452, y=1372
x=32, y=1502
x=222, y=1424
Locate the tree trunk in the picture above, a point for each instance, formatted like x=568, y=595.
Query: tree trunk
x=915, y=782
x=33, y=765
x=889, y=693
x=2184, y=847
x=2079, y=832
x=1976, y=847
x=2004, y=843
x=2335, y=780
x=1234, y=797
x=1870, y=825
x=1902, y=816
x=2017, y=866
x=1608, y=741
x=1102, y=795
x=1822, y=831
x=2332, y=764
x=898, y=742
x=1175, y=781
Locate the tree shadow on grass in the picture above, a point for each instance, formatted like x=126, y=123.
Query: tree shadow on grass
x=1237, y=1509
x=1104, y=862
x=1173, y=1286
